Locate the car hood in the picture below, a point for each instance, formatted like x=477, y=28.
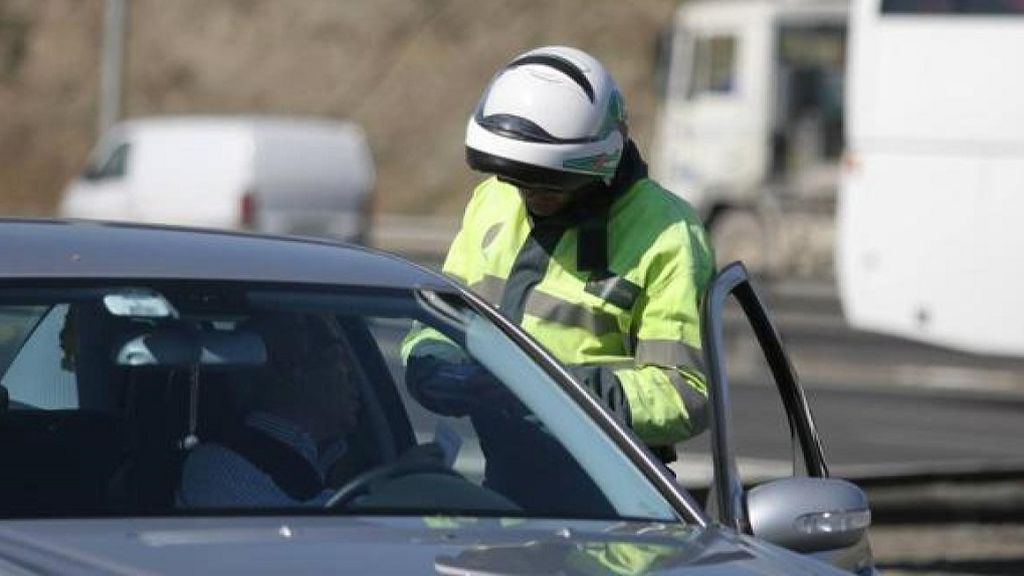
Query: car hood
x=382, y=545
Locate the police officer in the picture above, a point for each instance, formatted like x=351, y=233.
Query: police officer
x=571, y=240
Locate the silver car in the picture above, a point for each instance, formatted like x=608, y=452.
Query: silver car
x=187, y=402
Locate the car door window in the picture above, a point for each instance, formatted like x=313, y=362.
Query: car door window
x=763, y=445
x=427, y=426
x=579, y=473
x=763, y=347
x=761, y=440
x=38, y=376
x=61, y=442
x=16, y=323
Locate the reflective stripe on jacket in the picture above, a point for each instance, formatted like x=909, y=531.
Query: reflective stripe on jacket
x=639, y=321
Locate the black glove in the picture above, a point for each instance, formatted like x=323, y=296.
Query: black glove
x=456, y=388
x=605, y=386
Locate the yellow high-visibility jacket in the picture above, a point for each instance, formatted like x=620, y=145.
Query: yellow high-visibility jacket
x=631, y=334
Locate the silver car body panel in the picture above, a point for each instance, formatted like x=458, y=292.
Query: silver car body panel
x=382, y=545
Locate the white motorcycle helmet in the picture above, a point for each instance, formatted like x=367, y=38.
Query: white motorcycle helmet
x=553, y=118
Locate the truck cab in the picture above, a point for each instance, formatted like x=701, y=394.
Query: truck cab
x=751, y=120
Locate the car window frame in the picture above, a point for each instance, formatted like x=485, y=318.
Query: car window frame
x=727, y=496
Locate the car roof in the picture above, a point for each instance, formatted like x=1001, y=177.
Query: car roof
x=98, y=250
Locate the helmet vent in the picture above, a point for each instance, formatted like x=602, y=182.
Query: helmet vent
x=562, y=65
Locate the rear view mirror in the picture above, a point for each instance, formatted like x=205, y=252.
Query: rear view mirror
x=176, y=347
x=809, y=514
x=231, y=349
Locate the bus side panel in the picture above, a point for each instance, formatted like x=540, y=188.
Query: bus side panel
x=928, y=242
x=930, y=247
x=943, y=79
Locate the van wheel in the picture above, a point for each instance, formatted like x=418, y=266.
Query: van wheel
x=738, y=234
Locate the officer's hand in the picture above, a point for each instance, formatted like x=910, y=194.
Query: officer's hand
x=456, y=389
x=438, y=385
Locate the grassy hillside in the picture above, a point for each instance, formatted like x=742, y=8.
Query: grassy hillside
x=409, y=71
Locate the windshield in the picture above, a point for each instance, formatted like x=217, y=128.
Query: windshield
x=186, y=398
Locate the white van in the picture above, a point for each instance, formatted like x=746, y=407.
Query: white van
x=279, y=175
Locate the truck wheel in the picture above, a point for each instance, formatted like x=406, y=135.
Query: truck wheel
x=738, y=234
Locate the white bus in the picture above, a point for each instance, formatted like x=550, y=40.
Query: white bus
x=930, y=217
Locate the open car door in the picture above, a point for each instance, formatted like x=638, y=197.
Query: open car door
x=807, y=511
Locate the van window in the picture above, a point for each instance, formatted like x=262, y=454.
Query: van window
x=714, y=65
x=953, y=7
x=113, y=166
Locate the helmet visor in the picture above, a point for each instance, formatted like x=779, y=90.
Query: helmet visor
x=527, y=176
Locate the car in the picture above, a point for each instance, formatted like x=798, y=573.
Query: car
x=199, y=401
x=276, y=174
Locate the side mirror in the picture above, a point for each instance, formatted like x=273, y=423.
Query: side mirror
x=809, y=514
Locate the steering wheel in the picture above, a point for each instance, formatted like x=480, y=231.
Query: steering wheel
x=397, y=469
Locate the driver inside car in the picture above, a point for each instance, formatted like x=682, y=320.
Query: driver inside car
x=295, y=442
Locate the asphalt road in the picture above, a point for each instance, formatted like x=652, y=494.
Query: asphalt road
x=867, y=432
